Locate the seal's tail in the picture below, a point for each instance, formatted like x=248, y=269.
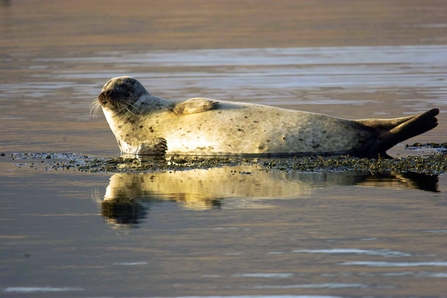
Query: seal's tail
x=393, y=131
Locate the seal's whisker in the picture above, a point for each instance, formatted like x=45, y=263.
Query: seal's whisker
x=136, y=108
x=129, y=107
x=124, y=107
x=94, y=108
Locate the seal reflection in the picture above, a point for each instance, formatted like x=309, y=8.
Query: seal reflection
x=129, y=196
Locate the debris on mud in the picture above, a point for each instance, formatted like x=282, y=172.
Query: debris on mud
x=431, y=164
x=438, y=147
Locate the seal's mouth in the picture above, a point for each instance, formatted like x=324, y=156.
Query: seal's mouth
x=108, y=100
x=114, y=101
x=119, y=96
x=106, y=97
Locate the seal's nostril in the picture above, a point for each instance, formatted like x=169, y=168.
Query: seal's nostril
x=102, y=98
x=108, y=92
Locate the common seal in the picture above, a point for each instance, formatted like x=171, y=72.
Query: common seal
x=146, y=124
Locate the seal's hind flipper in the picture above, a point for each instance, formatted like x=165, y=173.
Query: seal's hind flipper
x=194, y=106
x=382, y=125
x=412, y=127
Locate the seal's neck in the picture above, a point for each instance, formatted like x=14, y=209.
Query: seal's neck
x=145, y=105
x=148, y=103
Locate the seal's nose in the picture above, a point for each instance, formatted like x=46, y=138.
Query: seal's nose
x=105, y=95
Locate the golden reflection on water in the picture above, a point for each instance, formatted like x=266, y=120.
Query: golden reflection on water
x=240, y=187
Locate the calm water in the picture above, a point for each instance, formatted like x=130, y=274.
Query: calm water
x=231, y=231
x=224, y=231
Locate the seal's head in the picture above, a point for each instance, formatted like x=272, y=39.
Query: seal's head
x=119, y=95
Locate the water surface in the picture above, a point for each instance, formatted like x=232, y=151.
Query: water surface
x=226, y=231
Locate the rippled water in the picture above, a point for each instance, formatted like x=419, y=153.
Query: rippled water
x=223, y=231
x=236, y=231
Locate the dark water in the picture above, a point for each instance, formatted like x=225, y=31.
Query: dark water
x=230, y=231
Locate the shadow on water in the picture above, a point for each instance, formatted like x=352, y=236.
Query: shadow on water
x=129, y=196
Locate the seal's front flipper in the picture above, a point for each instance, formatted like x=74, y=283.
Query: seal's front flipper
x=412, y=127
x=194, y=106
x=156, y=146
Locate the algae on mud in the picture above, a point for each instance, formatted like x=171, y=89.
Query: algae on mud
x=431, y=164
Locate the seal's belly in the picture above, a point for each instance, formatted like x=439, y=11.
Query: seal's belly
x=258, y=130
